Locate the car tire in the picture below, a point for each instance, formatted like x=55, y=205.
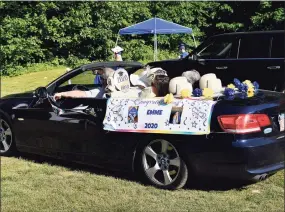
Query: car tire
x=159, y=163
x=7, y=141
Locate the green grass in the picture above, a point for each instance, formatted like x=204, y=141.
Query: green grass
x=28, y=82
x=27, y=185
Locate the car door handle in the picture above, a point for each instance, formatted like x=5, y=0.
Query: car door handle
x=273, y=67
x=222, y=67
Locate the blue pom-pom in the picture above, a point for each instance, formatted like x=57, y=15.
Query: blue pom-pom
x=256, y=85
x=243, y=87
x=197, y=92
x=229, y=92
x=237, y=82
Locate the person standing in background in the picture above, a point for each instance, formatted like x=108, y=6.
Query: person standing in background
x=118, y=57
x=118, y=53
x=182, y=50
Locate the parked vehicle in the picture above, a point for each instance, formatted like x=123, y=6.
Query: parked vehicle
x=247, y=139
x=244, y=55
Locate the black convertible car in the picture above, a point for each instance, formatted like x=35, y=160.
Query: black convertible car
x=247, y=139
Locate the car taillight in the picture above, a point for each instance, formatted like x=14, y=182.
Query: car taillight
x=243, y=123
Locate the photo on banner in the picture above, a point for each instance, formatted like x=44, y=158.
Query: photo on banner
x=175, y=115
x=133, y=114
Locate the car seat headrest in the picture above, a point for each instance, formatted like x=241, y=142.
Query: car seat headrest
x=210, y=81
x=177, y=84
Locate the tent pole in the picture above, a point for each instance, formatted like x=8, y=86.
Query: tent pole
x=194, y=40
x=155, y=47
x=155, y=39
x=117, y=39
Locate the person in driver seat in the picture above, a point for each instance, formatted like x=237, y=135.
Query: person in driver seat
x=105, y=73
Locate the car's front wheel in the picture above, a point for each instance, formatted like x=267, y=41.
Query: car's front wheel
x=160, y=164
x=7, y=146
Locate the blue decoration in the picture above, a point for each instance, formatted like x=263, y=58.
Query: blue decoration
x=197, y=92
x=237, y=83
x=229, y=92
x=161, y=102
x=242, y=87
x=256, y=85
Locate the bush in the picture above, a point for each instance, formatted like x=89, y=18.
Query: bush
x=15, y=70
x=74, y=61
x=35, y=67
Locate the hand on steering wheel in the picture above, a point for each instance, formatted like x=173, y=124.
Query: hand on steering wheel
x=57, y=96
x=56, y=100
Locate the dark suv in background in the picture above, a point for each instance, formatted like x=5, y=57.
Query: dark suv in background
x=257, y=56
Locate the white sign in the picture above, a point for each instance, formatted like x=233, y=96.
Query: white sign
x=182, y=116
x=121, y=80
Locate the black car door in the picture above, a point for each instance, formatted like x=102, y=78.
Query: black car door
x=41, y=129
x=254, y=59
x=218, y=56
x=74, y=134
x=275, y=67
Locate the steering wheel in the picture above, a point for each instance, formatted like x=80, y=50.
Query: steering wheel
x=80, y=87
x=56, y=103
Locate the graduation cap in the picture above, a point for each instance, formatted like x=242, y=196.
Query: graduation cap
x=117, y=50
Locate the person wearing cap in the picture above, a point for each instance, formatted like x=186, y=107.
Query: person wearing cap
x=118, y=53
x=105, y=73
x=182, y=50
x=118, y=57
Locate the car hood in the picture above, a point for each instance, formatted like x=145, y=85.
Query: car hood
x=262, y=97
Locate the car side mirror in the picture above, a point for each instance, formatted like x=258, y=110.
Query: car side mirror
x=41, y=93
x=193, y=57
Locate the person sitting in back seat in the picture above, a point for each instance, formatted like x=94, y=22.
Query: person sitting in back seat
x=153, y=82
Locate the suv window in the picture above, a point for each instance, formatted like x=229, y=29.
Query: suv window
x=277, y=50
x=254, y=47
x=217, y=49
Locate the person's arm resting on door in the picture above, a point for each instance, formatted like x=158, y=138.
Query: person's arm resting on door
x=70, y=94
x=94, y=93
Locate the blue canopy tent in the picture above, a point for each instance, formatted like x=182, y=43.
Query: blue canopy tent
x=155, y=26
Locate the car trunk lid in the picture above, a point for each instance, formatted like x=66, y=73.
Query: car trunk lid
x=264, y=102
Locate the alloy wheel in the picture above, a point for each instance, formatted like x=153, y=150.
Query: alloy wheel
x=5, y=136
x=161, y=162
